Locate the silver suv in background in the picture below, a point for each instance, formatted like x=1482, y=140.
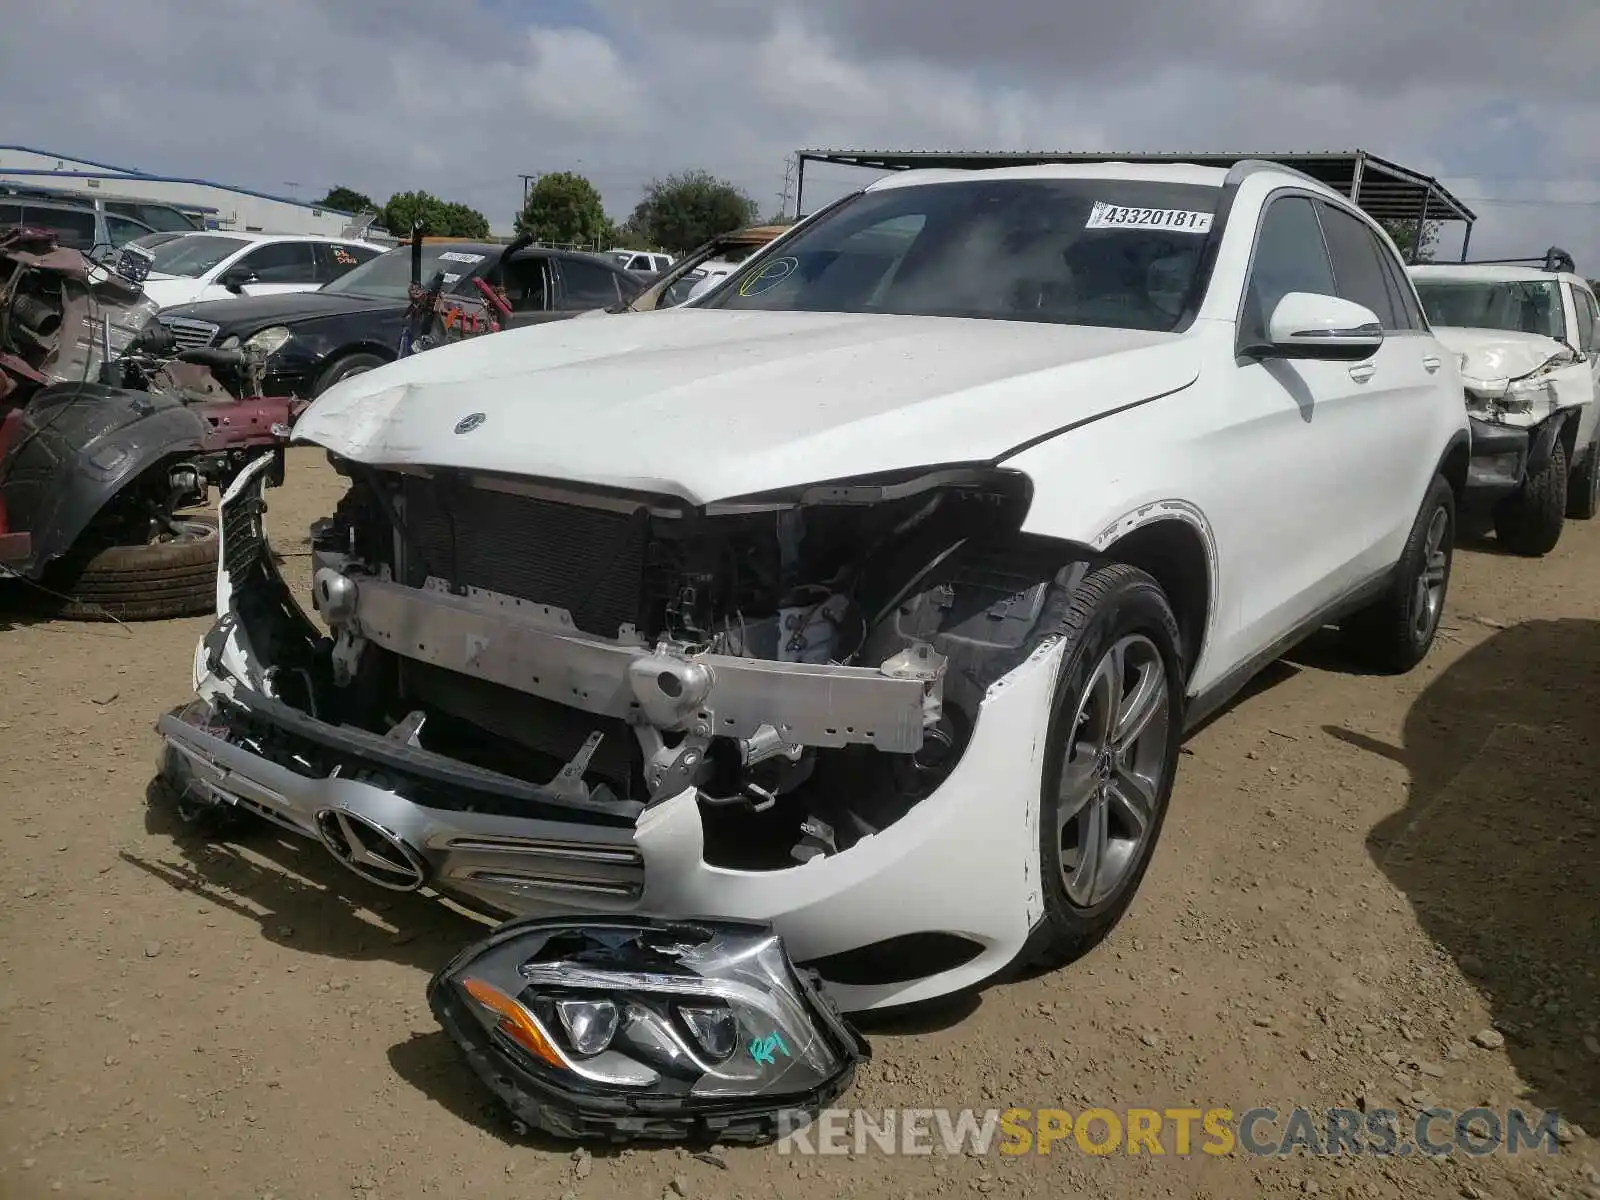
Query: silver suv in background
x=82, y=226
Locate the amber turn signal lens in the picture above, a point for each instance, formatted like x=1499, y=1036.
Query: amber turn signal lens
x=515, y=1021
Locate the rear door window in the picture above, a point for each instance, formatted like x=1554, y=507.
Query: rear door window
x=122, y=230
x=282, y=262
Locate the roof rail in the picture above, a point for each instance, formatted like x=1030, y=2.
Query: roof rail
x=1246, y=167
x=1554, y=259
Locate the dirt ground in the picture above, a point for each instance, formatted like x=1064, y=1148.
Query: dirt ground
x=1359, y=875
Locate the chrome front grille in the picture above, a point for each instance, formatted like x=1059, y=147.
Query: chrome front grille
x=191, y=334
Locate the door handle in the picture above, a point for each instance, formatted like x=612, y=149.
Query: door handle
x=1362, y=372
x=1431, y=363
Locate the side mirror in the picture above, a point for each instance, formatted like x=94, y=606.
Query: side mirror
x=1308, y=325
x=235, y=279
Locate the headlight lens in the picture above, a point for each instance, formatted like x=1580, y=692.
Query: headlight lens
x=580, y=1025
x=231, y=342
x=269, y=341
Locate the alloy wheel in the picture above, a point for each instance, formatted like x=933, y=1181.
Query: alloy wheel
x=1428, y=598
x=1112, y=775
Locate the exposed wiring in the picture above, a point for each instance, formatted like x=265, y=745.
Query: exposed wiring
x=11, y=573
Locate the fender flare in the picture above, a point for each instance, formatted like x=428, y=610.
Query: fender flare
x=79, y=445
x=1543, y=441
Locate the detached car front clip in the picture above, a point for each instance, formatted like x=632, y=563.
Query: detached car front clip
x=646, y=1030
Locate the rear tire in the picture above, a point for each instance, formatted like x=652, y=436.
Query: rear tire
x=1583, y=486
x=343, y=368
x=1530, y=522
x=1107, y=778
x=1396, y=632
x=141, y=583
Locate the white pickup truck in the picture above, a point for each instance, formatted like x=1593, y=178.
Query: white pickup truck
x=1526, y=341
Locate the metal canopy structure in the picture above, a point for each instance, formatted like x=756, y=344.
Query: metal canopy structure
x=1385, y=190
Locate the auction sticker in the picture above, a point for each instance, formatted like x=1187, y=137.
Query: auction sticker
x=458, y=256
x=1118, y=216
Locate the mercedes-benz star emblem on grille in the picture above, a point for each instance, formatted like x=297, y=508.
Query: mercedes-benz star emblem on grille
x=470, y=422
x=371, y=851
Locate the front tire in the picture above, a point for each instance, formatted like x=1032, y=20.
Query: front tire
x=1530, y=522
x=1111, y=754
x=172, y=577
x=343, y=368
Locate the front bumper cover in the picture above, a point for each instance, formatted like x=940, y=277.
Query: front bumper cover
x=939, y=901
x=765, y=1051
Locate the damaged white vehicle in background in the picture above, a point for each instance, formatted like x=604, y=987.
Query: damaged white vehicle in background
x=1526, y=341
x=868, y=597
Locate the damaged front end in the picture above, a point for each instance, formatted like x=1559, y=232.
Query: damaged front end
x=1517, y=403
x=555, y=701
x=629, y=1030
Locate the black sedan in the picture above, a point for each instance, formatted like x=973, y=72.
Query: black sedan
x=312, y=340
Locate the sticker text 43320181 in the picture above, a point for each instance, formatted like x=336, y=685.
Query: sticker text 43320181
x=1121, y=216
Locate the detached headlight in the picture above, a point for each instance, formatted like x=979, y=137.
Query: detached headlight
x=269, y=341
x=646, y=1029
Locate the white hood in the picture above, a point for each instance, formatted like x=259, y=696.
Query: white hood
x=1492, y=358
x=712, y=404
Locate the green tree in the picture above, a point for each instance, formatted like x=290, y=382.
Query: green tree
x=1406, y=236
x=347, y=200
x=463, y=221
x=681, y=211
x=439, y=218
x=565, y=209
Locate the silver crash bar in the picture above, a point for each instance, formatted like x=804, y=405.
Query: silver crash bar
x=536, y=649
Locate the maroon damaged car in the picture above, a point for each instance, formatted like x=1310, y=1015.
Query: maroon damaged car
x=110, y=437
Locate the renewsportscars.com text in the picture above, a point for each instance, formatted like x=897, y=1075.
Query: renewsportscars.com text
x=1260, y=1132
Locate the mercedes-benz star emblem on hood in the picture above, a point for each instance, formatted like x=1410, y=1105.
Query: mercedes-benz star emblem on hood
x=470, y=422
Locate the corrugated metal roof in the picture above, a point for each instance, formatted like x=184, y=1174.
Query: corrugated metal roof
x=1388, y=191
x=128, y=176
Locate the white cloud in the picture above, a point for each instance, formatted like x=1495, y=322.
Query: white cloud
x=383, y=96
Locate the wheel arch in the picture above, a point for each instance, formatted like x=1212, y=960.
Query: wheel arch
x=80, y=446
x=334, y=357
x=1172, y=542
x=1454, y=461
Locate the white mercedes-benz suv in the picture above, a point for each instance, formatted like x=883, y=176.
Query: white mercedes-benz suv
x=868, y=596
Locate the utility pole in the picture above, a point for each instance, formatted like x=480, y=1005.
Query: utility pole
x=527, y=185
x=788, y=186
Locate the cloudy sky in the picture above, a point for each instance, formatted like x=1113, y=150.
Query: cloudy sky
x=1501, y=100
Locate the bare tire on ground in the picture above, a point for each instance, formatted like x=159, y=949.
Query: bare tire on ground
x=1111, y=754
x=342, y=368
x=1396, y=632
x=1529, y=523
x=175, y=577
x=1583, y=486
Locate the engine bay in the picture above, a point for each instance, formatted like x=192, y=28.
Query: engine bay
x=812, y=667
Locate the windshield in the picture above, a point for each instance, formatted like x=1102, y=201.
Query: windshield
x=1111, y=252
x=194, y=255
x=1532, y=306
x=388, y=277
